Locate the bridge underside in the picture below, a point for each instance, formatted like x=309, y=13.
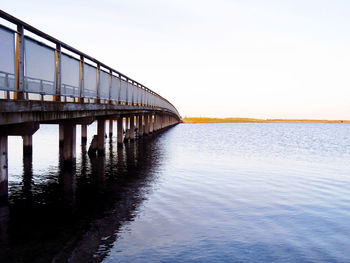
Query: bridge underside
x=15, y=112
x=23, y=118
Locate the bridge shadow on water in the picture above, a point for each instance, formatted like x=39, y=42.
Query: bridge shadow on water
x=76, y=213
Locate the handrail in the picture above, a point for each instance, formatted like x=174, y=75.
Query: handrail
x=61, y=44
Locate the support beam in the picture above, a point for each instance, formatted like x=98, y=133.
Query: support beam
x=110, y=128
x=161, y=121
x=83, y=134
x=3, y=166
x=140, y=126
x=132, y=128
x=120, y=131
x=146, y=124
x=150, y=123
x=101, y=131
x=27, y=145
x=27, y=174
x=61, y=134
x=126, y=136
x=69, y=132
x=136, y=126
x=155, y=123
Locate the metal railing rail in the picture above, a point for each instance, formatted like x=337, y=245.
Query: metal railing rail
x=20, y=77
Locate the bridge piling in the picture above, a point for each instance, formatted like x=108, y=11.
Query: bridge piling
x=137, y=126
x=160, y=121
x=61, y=134
x=3, y=166
x=146, y=124
x=101, y=131
x=120, y=131
x=69, y=134
x=151, y=124
x=157, y=122
x=110, y=128
x=140, y=131
x=83, y=134
x=132, y=128
x=126, y=137
x=27, y=145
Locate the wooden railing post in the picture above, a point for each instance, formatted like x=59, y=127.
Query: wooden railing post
x=133, y=93
x=57, y=97
x=81, y=80
x=98, y=94
x=127, y=91
x=110, y=86
x=19, y=93
x=119, y=87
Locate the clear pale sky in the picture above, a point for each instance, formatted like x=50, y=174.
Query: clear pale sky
x=239, y=58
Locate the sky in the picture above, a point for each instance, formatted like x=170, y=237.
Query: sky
x=215, y=58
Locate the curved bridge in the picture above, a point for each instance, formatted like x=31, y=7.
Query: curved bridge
x=43, y=80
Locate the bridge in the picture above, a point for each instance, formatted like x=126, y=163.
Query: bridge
x=45, y=81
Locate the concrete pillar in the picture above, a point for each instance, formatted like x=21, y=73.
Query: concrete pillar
x=3, y=166
x=155, y=122
x=132, y=128
x=136, y=126
x=146, y=124
x=27, y=144
x=69, y=140
x=61, y=134
x=110, y=128
x=27, y=175
x=101, y=131
x=120, y=131
x=83, y=134
x=140, y=126
x=158, y=122
x=150, y=123
x=127, y=132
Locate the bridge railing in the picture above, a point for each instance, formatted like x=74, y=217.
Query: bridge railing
x=30, y=69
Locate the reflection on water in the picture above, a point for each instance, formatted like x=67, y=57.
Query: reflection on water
x=195, y=193
x=75, y=213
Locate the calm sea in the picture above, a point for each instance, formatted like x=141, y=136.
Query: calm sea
x=241, y=192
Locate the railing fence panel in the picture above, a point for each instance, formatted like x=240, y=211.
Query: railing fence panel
x=129, y=92
x=90, y=81
x=39, y=68
x=104, y=85
x=123, y=90
x=7, y=61
x=115, y=88
x=70, y=74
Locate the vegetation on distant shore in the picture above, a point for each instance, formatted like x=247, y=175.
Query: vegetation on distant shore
x=227, y=120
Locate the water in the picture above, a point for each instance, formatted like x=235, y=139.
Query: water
x=274, y=192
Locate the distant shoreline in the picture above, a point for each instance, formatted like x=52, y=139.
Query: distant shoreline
x=252, y=120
